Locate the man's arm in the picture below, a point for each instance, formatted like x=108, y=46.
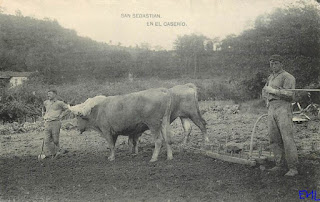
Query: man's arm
x=65, y=109
x=264, y=91
x=289, y=83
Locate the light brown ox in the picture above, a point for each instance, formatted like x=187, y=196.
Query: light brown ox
x=129, y=114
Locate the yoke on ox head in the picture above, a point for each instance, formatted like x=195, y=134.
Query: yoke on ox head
x=83, y=110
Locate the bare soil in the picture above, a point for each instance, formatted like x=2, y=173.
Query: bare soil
x=85, y=174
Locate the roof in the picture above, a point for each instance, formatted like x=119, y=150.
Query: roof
x=9, y=74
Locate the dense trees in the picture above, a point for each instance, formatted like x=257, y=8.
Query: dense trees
x=28, y=44
x=293, y=32
x=189, y=49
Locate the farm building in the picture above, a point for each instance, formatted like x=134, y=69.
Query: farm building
x=14, y=78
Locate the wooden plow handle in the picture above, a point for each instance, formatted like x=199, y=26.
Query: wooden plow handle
x=252, y=134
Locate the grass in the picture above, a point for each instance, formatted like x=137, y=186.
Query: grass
x=33, y=94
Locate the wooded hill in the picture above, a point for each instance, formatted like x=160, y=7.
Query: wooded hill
x=61, y=56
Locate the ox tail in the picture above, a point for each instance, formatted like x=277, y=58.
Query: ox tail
x=197, y=103
x=194, y=87
x=204, y=123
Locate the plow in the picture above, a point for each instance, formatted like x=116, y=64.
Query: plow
x=254, y=156
x=236, y=154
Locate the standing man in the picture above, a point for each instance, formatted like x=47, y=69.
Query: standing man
x=280, y=125
x=54, y=111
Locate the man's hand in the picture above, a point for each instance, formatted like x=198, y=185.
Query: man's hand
x=64, y=113
x=270, y=90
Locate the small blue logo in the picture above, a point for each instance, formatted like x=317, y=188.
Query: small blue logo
x=304, y=194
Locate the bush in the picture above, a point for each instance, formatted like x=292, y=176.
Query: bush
x=27, y=100
x=21, y=102
x=253, y=85
x=219, y=89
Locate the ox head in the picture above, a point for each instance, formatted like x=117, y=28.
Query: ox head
x=82, y=121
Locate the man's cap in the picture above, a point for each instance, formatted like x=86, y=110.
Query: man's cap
x=276, y=58
x=53, y=90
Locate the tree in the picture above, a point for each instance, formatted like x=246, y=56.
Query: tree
x=189, y=48
x=18, y=13
x=158, y=48
x=293, y=32
x=145, y=46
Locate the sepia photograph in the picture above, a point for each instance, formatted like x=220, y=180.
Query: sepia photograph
x=168, y=100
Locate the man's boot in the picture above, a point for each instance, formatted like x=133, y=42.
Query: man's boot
x=277, y=168
x=292, y=172
x=280, y=165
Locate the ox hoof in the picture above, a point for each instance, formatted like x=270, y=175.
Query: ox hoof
x=170, y=158
x=134, y=154
x=153, y=160
x=206, y=147
x=206, y=140
x=184, y=142
x=111, y=158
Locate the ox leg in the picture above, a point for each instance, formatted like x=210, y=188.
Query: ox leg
x=157, y=145
x=114, y=138
x=166, y=134
x=133, y=143
x=163, y=131
x=201, y=123
x=130, y=142
x=136, y=143
x=187, y=130
x=111, y=142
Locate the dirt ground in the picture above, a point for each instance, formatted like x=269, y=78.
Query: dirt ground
x=85, y=174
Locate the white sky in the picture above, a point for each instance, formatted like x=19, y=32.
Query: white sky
x=101, y=19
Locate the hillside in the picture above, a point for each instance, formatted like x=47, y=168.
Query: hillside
x=59, y=54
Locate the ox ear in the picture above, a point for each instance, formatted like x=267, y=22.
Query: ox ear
x=79, y=114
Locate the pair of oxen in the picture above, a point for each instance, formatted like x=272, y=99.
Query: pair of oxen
x=134, y=113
